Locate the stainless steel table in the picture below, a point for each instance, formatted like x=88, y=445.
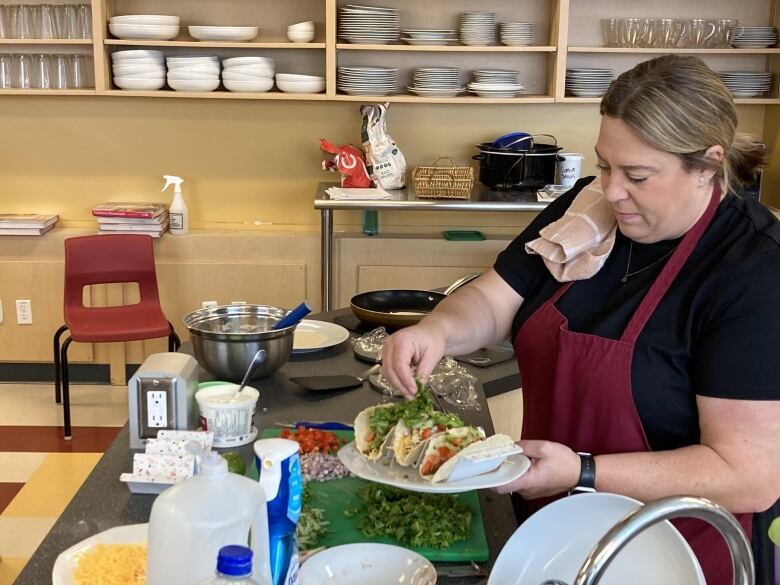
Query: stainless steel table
x=482, y=199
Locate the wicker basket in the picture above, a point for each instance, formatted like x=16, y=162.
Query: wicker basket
x=443, y=182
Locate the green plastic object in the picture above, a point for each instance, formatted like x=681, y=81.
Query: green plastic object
x=337, y=495
x=463, y=235
x=774, y=532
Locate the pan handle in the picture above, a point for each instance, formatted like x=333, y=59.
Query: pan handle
x=461, y=281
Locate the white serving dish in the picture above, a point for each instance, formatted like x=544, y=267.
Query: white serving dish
x=153, y=19
x=301, y=86
x=137, y=54
x=237, y=61
x=554, y=542
x=186, y=76
x=302, y=26
x=192, y=85
x=210, y=69
x=230, y=76
x=300, y=37
x=139, y=84
x=141, y=70
x=297, y=77
x=144, y=32
x=223, y=33
x=251, y=69
x=260, y=85
x=364, y=562
x=192, y=60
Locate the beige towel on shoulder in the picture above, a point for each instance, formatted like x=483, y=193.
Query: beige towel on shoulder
x=576, y=246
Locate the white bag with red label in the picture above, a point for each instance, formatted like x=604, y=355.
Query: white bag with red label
x=385, y=161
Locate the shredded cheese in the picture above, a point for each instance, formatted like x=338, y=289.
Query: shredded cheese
x=112, y=564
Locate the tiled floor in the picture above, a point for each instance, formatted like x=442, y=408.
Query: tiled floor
x=39, y=471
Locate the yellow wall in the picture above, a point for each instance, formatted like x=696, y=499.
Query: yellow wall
x=243, y=161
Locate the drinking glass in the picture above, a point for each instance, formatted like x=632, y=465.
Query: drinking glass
x=49, y=28
x=651, y=32
x=85, y=21
x=6, y=72
x=80, y=72
x=611, y=30
x=60, y=71
x=61, y=16
x=23, y=75
x=5, y=22
x=727, y=27
x=72, y=22
x=632, y=30
x=25, y=28
x=700, y=31
x=41, y=66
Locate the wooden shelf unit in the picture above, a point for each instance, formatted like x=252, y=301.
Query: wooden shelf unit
x=568, y=32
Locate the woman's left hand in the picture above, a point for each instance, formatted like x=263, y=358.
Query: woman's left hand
x=555, y=468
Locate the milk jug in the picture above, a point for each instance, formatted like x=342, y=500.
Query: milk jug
x=192, y=520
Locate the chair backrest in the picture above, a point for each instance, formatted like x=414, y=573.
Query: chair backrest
x=107, y=259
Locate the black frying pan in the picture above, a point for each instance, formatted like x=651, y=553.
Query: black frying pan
x=400, y=308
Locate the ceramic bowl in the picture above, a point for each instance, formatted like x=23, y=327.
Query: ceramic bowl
x=230, y=76
x=153, y=19
x=297, y=77
x=194, y=85
x=134, y=55
x=301, y=86
x=153, y=32
x=301, y=26
x=139, y=83
x=248, y=60
x=300, y=37
x=256, y=85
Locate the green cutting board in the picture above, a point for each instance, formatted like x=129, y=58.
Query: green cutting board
x=337, y=495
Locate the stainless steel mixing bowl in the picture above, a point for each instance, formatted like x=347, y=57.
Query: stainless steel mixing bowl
x=224, y=339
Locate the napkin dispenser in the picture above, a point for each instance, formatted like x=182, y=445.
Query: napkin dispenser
x=161, y=396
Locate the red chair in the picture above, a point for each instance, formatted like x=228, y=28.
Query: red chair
x=104, y=260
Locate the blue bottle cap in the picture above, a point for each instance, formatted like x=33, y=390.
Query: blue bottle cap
x=235, y=560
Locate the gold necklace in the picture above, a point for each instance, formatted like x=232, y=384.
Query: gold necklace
x=628, y=274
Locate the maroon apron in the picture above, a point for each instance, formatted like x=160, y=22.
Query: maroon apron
x=577, y=391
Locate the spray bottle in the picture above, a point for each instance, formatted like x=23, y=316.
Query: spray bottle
x=279, y=469
x=179, y=216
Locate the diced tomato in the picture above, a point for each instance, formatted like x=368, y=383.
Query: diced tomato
x=313, y=440
x=427, y=433
x=430, y=465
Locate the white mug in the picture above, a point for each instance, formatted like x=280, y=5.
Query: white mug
x=569, y=168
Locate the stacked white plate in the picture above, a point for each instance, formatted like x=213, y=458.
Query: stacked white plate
x=746, y=84
x=138, y=70
x=424, y=36
x=754, y=37
x=496, y=83
x=478, y=28
x=516, y=34
x=248, y=74
x=588, y=82
x=233, y=34
x=193, y=73
x=436, y=82
x=369, y=24
x=155, y=27
x=367, y=80
x=296, y=83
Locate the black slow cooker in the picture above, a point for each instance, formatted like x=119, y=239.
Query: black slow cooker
x=509, y=170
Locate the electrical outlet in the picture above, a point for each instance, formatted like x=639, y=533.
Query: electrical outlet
x=209, y=304
x=24, y=312
x=156, y=409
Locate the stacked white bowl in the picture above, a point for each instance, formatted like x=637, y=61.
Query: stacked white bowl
x=301, y=32
x=138, y=70
x=155, y=27
x=249, y=73
x=193, y=73
x=295, y=83
x=516, y=33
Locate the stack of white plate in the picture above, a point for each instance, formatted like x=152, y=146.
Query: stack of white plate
x=367, y=80
x=428, y=36
x=588, y=82
x=496, y=83
x=155, y=27
x=746, y=84
x=478, y=28
x=515, y=34
x=436, y=82
x=193, y=73
x=296, y=83
x=233, y=34
x=369, y=24
x=754, y=37
x=248, y=74
x=138, y=70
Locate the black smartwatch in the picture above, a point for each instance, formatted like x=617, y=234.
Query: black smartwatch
x=587, y=480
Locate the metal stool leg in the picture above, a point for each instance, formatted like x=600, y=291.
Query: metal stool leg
x=57, y=384
x=174, y=343
x=66, y=389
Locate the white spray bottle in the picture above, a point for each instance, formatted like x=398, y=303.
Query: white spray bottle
x=178, y=213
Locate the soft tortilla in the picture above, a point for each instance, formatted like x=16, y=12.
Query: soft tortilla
x=406, y=452
x=492, y=442
x=363, y=430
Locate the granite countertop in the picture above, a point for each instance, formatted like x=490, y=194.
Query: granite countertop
x=104, y=502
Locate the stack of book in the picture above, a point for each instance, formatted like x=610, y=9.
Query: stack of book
x=132, y=218
x=26, y=224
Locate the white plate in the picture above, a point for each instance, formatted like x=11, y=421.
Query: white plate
x=553, y=544
x=313, y=335
x=223, y=33
x=68, y=560
x=408, y=478
x=144, y=32
x=364, y=562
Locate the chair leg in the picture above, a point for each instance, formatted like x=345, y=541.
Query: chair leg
x=174, y=343
x=57, y=384
x=66, y=389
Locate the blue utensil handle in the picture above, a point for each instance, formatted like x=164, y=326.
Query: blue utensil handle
x=293, y=316
x=324, y=426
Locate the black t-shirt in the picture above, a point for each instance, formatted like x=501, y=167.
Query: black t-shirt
x=715, y=333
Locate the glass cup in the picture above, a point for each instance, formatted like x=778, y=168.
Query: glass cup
x=60, y=71
x=5, y=22
x=632, y=31
x=25, y=28
x=700, y=31
x=72, y=22
x=22, y=73
x=80, y=72
x=41, y=72
x=84, y=12
x=651, y=32
x=48, y=28
x=611, y=30
x=725, y=35
x=6, y=72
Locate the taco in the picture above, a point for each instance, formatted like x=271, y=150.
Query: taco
x=373, y=429
x=442, y=456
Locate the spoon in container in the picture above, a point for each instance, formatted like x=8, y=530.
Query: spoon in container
x=258, y=359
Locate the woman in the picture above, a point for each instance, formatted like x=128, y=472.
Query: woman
x=662, y=365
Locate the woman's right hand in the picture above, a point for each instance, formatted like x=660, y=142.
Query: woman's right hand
x=421, y=345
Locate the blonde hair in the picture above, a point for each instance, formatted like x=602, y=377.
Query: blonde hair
x=679, y=105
